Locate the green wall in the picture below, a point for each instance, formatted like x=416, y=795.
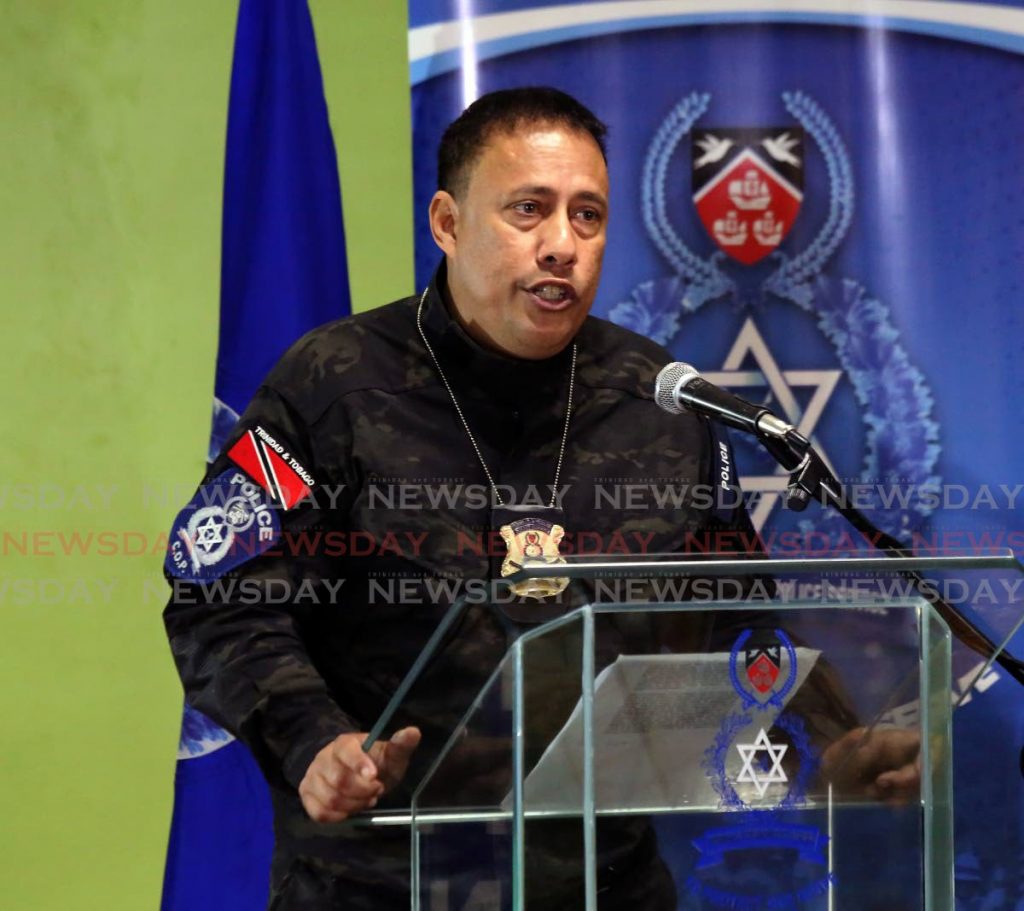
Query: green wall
x=114, y=117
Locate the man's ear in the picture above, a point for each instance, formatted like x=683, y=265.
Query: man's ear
x=444, y=218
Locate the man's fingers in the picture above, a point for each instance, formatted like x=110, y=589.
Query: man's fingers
x=337, y=802
x=336, y=810
x=349, y=752
x=889, y=756
x=404, y=742
x=392, y=756
x=343, y=779
x=902, y=747
x=340, y=781
x=345, y=782
x=397, y=751
x=904, y=779
x=345, y=769
x=318, y=812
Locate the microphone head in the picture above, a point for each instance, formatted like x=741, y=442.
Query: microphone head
x=672, y=378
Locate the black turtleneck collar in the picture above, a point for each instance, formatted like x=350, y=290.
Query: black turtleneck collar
x=461, y=356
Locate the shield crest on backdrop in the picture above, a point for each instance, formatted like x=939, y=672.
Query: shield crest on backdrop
x=748, y=186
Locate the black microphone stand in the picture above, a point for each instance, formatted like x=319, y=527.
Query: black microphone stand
x=811, y=479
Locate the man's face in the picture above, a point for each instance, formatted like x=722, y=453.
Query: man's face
x=525, y=239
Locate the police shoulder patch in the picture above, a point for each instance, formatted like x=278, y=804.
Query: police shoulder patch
x=228, y=522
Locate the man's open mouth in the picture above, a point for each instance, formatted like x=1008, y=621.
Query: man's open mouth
x=552, y=292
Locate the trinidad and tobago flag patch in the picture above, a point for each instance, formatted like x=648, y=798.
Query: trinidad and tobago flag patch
x=748, y=187
x=272, y=466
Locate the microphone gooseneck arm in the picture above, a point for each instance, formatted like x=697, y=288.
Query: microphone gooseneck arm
x=680, y=387
x=811, y=479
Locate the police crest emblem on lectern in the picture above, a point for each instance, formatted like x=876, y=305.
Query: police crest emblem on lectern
x=760, y=765
x=768, y=745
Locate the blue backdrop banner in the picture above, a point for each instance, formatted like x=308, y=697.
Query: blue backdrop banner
x=283, y=271
x=817, y=205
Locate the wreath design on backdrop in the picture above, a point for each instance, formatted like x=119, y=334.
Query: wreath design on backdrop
x=901, y=435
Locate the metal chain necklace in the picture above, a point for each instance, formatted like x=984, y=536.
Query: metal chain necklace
x=527, y=538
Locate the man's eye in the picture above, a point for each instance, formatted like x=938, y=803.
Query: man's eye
x=527, y=208
x=589, y=215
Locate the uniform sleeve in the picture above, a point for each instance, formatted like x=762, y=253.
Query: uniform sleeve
x=234, y=629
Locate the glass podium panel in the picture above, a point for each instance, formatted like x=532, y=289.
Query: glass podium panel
x=986, y=588
x=659, y=747
x=470, y=849
x=773, y=759
x=936, y=760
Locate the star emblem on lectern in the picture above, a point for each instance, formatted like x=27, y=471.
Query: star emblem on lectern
x=759, y=776
x=751, y=346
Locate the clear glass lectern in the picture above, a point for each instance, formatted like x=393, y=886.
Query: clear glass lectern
x=750, y=734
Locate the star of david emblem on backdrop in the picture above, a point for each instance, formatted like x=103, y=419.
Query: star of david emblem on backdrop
x=758, y=776
x=751, y=346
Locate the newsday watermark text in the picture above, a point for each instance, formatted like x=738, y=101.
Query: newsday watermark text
x=453, y=493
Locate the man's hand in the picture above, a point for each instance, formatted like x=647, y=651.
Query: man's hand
x=342, y=779
x=883, y=764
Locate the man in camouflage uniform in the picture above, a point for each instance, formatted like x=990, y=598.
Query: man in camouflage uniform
x=307, y=497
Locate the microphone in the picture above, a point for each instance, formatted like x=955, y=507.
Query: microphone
x=680, y=388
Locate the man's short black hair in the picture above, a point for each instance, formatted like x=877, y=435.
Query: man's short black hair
x=505, y=111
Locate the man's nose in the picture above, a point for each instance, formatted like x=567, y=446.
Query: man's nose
x=557, y=242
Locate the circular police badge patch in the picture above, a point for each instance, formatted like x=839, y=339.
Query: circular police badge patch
x=228, y=522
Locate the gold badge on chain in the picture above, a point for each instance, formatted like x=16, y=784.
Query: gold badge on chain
x=533, y=540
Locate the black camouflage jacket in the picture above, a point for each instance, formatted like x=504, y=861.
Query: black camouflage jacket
x=292, y=625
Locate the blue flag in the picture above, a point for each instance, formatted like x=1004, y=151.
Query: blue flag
x=282, y=273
